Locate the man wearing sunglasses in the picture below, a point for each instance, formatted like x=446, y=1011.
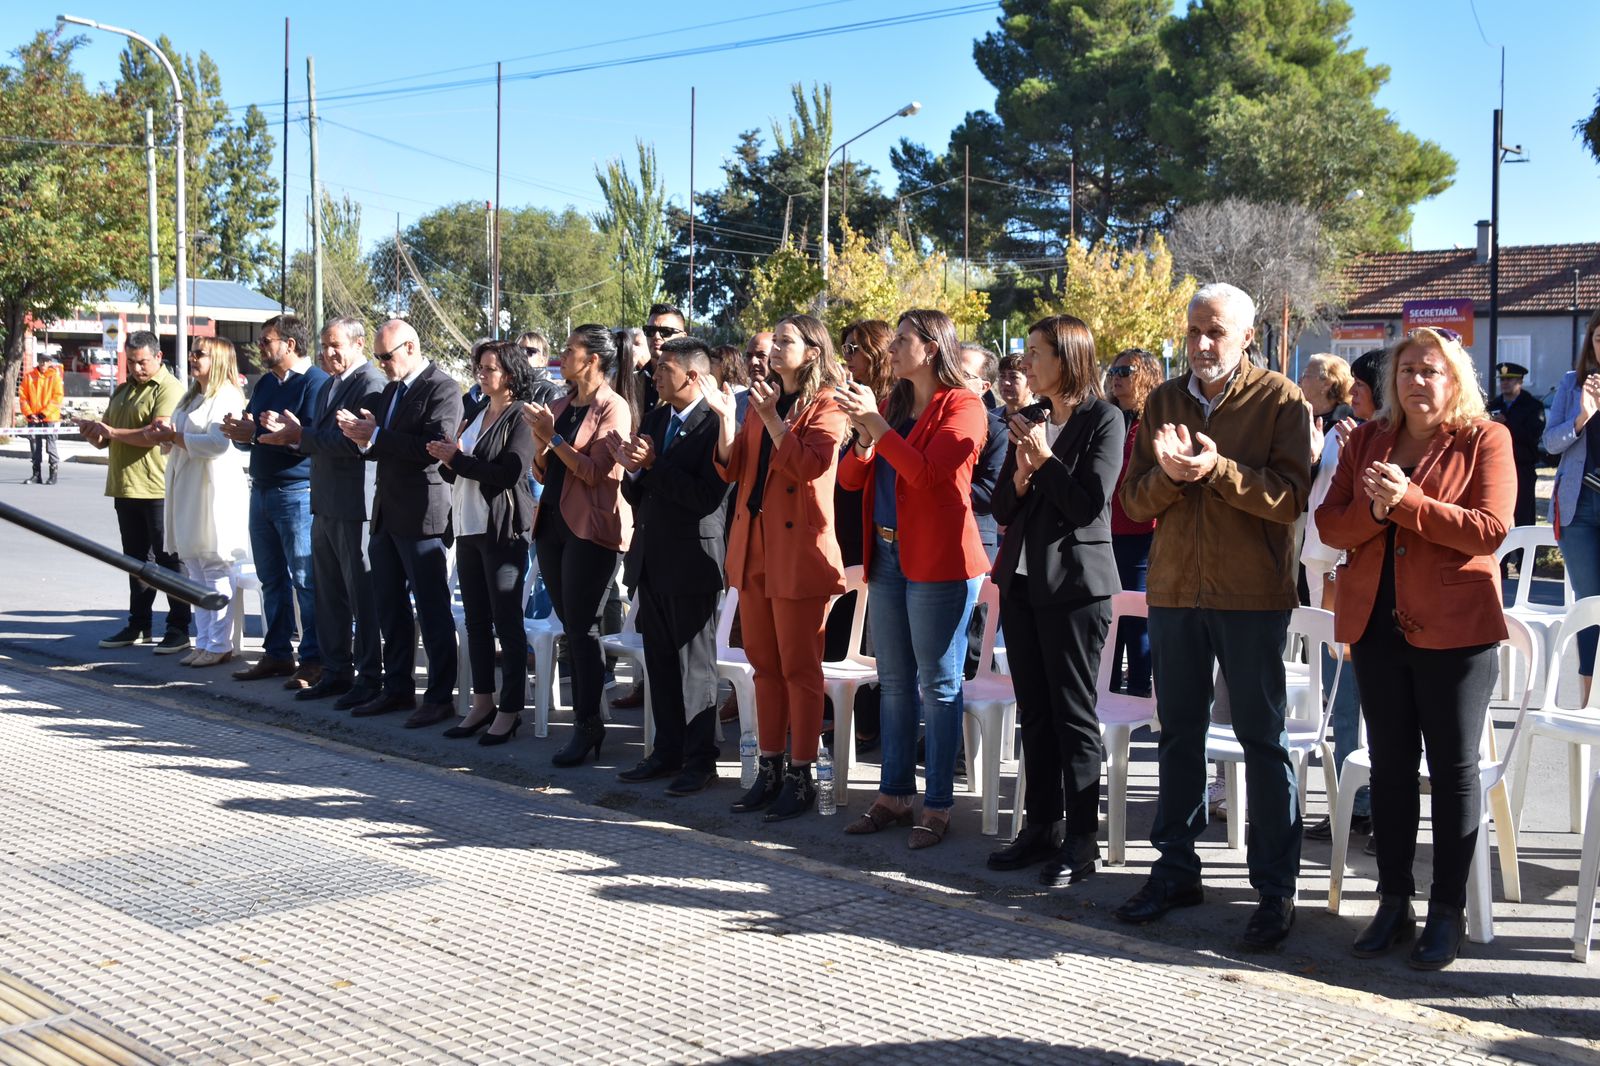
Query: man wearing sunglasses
x=664, y=323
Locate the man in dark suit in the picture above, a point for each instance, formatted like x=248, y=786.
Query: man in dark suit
x=410, y=524
x=339, y=495
x=675, y=563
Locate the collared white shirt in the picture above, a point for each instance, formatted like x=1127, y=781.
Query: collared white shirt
x=409, y=380
x=1207, y=406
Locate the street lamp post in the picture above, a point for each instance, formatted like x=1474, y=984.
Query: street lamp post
x=181, y=341
x=910, y=109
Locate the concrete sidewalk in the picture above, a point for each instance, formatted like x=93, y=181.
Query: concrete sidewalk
x=226, y=892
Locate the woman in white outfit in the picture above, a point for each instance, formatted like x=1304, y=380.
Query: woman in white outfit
x=208, y=492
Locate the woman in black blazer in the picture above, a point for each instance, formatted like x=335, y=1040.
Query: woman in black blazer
x=1056, y=574
x=487, y=465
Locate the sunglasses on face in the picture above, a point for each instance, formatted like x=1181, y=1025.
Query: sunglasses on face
x=1447, y=334
x=664, y=332
x=384, y=357
x=1119, y=371
x=531, y=350
x=851, y=349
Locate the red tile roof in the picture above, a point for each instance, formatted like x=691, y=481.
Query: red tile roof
x=1534, y=279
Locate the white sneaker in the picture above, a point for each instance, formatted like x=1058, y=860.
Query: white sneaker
x=1217, y=798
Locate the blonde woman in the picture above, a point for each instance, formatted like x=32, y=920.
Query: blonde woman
x=208, y=494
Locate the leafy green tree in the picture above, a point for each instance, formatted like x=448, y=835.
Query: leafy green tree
x=635, y=225
x=347, y=287
x=71, y=216
x=1588, y=130
x=242, y=204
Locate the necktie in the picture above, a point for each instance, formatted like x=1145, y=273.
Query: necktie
x=673, y=425
x=399, y=398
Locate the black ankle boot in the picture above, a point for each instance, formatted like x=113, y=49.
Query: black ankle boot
x=1441, y=937
x=586, y=733
x=769, y=782
x=1075, y=861
x=799, y=794
x=1394, y=924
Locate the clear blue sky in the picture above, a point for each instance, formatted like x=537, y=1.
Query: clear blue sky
x=1444, y=86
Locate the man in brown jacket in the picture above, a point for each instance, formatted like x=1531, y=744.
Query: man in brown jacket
x=1222, y=462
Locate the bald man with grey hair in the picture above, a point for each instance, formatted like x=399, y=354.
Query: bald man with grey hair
x=410, y=537
x=1222, y=463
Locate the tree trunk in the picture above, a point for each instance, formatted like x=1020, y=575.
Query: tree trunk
x=14, y=317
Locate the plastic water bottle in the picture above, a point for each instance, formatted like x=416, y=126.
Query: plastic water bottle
x=749, y=756
x=825, y=801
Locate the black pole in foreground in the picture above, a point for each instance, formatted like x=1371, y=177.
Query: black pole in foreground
x=156, y=576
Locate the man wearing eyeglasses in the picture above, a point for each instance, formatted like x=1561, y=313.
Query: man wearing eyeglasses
x=280, y=503
x=410, y=538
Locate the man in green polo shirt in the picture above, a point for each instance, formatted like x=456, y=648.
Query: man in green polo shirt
x=136, y=481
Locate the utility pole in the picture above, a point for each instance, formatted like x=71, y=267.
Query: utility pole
x=155, y=248
x=690, y=321
x=1576, y=275
x=397, y=308
x=966, y=216
x=315, y=310
x=844, y=190
x=283, y=247
x=488, y=259
x=494, y=240
x=1501, y=151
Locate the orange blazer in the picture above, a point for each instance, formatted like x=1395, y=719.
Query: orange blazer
x=938, y=536
x=1454, y=515
x=591, y=492
x=802, y=553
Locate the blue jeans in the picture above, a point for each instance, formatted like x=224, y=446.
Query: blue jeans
x=280, y=541
x=1580, y=550
x=919, y=634
x=1132, y=552
x=1346, y=723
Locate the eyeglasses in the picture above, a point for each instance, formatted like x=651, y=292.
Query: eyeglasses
x=1119, y=371
x=851, y=349
x=384, y=357
x=664, y=332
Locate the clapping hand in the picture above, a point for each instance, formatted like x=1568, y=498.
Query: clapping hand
x=1589, y=396
x=1385, y=484
x=764, y=401
x=443, y=450
x=1183, y=456
x=241, y=430
x=1343, y=428
x=721, y=401
x=358, y=428
x=280, y=428
x=540, y=422
x=636, y=454
x=1033, y=449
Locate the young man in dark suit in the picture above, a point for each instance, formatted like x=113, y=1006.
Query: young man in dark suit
x=339, y=495
x=410, y=524
x=675, y=562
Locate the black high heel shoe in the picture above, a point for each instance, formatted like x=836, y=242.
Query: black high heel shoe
x=586, y=733
x=489, y=740
x=460, y=732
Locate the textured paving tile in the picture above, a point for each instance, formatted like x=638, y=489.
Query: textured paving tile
x=228, y=895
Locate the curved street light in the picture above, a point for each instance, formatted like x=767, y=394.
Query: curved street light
x=181, y=341
x=905, y=112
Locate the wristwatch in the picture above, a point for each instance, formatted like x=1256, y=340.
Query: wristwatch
x=556, y=441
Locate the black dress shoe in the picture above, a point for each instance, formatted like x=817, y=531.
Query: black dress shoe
x=1323, y=830
x=384, y=703
x=1271, y=922
x=650, y=769
x=1035, y=843
x=357, y=695
x=1441, y=937
x=428, y=714
x=1156, y=898
x=328, y=686
x=693, y=779
x=1073, y=862
x=1394, y=923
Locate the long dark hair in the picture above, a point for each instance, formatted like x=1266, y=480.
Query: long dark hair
x=731, y=359
x=513, y=360
x=615, y=363
x=1584, y=361
x=1072, y=345
x=872, y=336
x=937, y=329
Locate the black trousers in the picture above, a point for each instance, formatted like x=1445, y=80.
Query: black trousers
x=1527, y=509
x=577, y=574
x=492, y=577
x=680, y=656
x=142, y=524
x=1411, y=698
x=345, y=597
x=1054, y=653
x=417, y=565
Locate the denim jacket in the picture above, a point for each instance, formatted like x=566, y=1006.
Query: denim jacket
x=1560, y=439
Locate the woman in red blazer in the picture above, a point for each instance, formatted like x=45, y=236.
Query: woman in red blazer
x=1422, y=497
x=782, y=554
x=924, y=559
x=583, y=524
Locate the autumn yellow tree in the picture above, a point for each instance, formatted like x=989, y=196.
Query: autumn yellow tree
x=785, y=283
x=1128, y=296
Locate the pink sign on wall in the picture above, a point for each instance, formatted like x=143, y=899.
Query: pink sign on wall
x=1439, y=314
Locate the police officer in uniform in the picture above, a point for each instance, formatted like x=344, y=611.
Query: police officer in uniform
x=1524, y=417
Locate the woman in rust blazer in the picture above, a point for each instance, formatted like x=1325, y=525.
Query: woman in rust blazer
x=583, y=523
x=782, y=554
x=1422, y=497
x=924, y=559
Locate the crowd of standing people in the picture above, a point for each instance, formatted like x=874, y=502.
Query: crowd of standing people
x=355, y=488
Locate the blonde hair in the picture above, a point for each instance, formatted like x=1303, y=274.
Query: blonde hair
x=224, y=367
x=1335, y=373
x=1467, y=405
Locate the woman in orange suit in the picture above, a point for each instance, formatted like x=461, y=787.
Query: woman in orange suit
x=924, y=559
x=783, y=556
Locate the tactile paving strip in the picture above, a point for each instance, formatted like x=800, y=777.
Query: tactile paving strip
x=38, y=1030
x=229, y=894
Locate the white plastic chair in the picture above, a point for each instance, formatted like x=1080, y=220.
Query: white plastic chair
x=1588, y=870
x=733, y=667
x=842, y=679
x=245, y=579
x=1495, y=804
x=1542, y=619
x=542, y=634
x=1578, y=728
x=464, y=657
x=1309, y=710
x=628, y=643
x=991, y=717
x=1120, y=714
